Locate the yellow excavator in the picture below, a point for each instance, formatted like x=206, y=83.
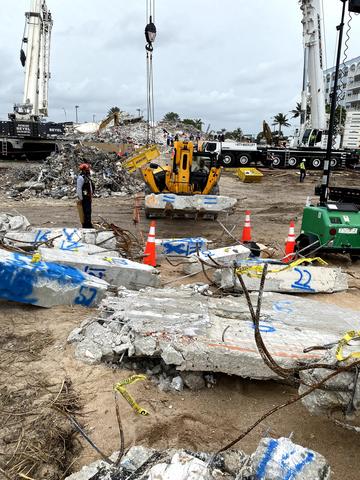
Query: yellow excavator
x=188, y=186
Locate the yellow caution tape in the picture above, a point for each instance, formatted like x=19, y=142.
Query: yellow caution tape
x=345, y=341
x=255, y=271
x=36, y=258
x=119, y=387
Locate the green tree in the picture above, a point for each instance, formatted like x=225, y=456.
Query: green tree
x=113, y=110
x=340, y=115
x=297, y=111
x=196, y=123
x=282, y=120
x=172, y=117
x=237, y=134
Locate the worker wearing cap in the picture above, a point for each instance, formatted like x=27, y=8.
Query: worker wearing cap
x=85, y=189
x=302, y=168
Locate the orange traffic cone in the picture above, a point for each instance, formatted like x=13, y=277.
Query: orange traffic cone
x=150, y=247
x=290, y=243
x=246, y=233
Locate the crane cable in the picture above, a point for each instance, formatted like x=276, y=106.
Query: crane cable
x=150, y=34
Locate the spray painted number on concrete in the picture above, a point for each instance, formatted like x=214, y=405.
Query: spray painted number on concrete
x=292, y=462
x=42, y=236
x=72, y=242
x=284, y=306
x=185, y=248
x=303, y=283
x=86, y=296
x=265, y=328
x=95, y=272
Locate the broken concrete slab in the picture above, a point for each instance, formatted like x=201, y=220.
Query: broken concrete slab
x=180, y=247
x=12, y=223
x=222, y=256
x=207, y=334
x=116, y=271
x=25, y=280
x=300, y=279
x=195, y=204
x=280, y=459
x=67, y=239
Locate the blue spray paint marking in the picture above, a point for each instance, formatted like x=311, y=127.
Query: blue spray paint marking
x=290, y=469
x=18, y=277
x=264, y=328
x=120, y=261
x=169, y=198
x=303, y=283
x=95, y=272
x=183, y=246
x=42, y=236
x=283, y=306
x=71, y=243
x=86, y=296
x=210, y=200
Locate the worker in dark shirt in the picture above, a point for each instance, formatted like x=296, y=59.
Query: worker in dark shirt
x=85, y=189
x=302, y=168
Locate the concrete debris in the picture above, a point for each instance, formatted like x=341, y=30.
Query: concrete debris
x=25, y=280
x=300, y=279
x=66, y=239
x=343, y=392
x=162, y=204
x=193, y=380
x=206, y=334
x=115, y=271
x=220, y=256
x=56, y=176
x=12, y=223
x=278, y=459
x=180, y=247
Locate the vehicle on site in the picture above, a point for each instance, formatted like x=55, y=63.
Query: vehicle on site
x=189, y=185
x=233, y=154
x=334, y=224
x=25, y=132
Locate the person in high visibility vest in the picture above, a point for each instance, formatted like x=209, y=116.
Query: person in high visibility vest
x=302, y=168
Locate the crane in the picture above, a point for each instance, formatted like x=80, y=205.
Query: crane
x=36, y=60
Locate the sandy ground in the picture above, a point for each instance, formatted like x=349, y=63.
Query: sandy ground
x=208, y=419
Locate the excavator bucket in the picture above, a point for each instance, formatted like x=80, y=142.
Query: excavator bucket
x=141, y=157
x=193, y=206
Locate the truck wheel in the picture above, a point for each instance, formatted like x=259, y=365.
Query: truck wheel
x=334, y=162
x=316, y=163
x=228, y=159
x=293, y=161
x=276, y=162
x=244, y=160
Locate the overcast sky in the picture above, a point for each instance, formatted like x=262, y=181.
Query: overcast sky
x=232, y=63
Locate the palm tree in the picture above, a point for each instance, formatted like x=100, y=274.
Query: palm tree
x=282, y=120
x=297, y=111
x=113, y=110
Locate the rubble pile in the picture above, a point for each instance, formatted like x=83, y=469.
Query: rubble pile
x=274, y=459
x=56, y=177
x=136, y=133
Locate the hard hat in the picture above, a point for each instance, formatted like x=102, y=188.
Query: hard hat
x=84, y=166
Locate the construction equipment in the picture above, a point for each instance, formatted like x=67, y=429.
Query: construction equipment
x=141, y=157
x=113, y=117
x=334, y=224
x=186, y=187
x=25, y=133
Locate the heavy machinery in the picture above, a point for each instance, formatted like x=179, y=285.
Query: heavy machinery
x=334, y=224
x=113, y=117
x=25, y=133
x=189, y=186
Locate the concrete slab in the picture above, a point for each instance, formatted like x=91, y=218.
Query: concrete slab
x=180, y=247
x=66, y=239
x=223, y=256
x=301, y=279
x=12, y=223
x=46, y=284
x=211, y=204
x=199, y=333
x=116, y=271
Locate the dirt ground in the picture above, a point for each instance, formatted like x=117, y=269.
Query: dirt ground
x=204, y=420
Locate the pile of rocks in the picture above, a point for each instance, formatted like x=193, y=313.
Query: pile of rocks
x=274, y=459
x=56, y=177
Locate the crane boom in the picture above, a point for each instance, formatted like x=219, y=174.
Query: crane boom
x=313, y=84
x=37, y=37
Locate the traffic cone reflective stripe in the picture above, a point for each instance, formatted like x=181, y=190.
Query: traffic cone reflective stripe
x=290, y=243
x=246, y=233
x=150, y=247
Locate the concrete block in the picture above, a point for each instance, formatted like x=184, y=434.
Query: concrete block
x=180, y=247
x=12, y=223
x=212, y=204
x=207, y=334
x=182, y=467
x=301, y=279
x=88, y=352
x=193, y=380
x=116, y=271
x=280, y=459
x=223, y=256
x=47, y=284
